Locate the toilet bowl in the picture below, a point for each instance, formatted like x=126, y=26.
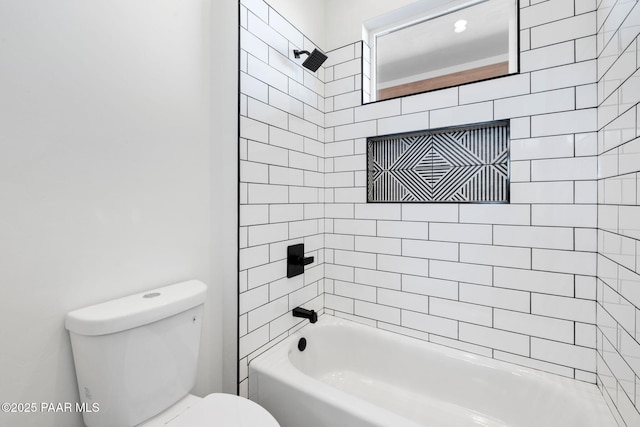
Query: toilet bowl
x=136, y=358
x=227, y=411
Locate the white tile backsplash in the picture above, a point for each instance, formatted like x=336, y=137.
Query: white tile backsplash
x=515, y=281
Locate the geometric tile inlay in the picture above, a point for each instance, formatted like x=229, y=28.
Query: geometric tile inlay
x=467, y=164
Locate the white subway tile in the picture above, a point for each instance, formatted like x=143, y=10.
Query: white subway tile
x=299, y=229
x=340, y=55
x=564, y=354
x=534, y=281
x=562, y=123
x=340, y=117
x=377, y=110
x=304, y=94
x=465, y=233
x=356, y=130
x=303, y=127
x=572, y=169
x=338, y=272
x=352, y=290
x=303, y=161
x=536, y=103
x=254, y=88
x=282, y=26
x=542, y=192
x=495, y=214
x=266, y=193
x=430, y=324
x=428, y=286
x=564, y=261
x=303, y=195
x=574, y=309
x=251, y=257
x=431, y=250
x=254, y=172
x=406, y=229
x=404, y=123
x=535, y=364
x=265, y=153
x=566, y=29
x=253, y=298
x=377, y=312
x=379, y=245
x=442, y=98
x=542, y=148
x=537, y=326
x=357, y=227
x=258, y=7
x=338, y=87
x=534, y=237
x=285, y=213
x=285, y=176
x=266, y=73
x=261, y=234
x=403, y=300
x=503, y=256
x=494, y=338
x=586, y=48
x=253, y=130
x=334, y=302
x=339, y=241
x=564, y=215
x=564, y=76
x=267, y=273
x=267, y=313
x=461, y=311
x=509, y=86
x=545, y=11
x=470, y=273
x=378, y=211
x=349, y=68
x=350, y=195
x=253, y=341
x=264, y=32
x=339, y=210
x=430, y=212
x=547, y=57
x=466, y=114
x=355, y=259
x=381, y=279
x=405, y=265
x=254, y=214
x=495, y=297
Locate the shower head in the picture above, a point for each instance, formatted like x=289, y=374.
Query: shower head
x=314, y=61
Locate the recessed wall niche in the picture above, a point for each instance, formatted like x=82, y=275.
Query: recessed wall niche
x=465, y=164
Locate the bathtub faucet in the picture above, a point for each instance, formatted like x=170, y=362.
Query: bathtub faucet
x=305, y=314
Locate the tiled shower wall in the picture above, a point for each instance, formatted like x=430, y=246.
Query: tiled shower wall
x=515, y=282
x=281, y=178
x=618, y=300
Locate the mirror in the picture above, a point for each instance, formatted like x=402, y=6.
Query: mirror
x=433, y=44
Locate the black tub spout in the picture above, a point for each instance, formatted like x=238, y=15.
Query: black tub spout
x=305, y=314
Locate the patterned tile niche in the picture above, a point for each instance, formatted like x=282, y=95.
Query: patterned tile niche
x=467, y=164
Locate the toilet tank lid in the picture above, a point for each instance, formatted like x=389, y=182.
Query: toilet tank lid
x=136, y=310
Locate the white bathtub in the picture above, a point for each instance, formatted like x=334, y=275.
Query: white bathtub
x=351, y=375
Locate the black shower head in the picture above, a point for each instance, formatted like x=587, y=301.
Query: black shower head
x=314, y=61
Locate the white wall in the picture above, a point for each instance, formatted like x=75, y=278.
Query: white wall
x=344, y=18
x=105, y=176
x=308, y=16
x=281, y=179
x=618, y=307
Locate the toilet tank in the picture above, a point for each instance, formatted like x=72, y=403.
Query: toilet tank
x=136, y=356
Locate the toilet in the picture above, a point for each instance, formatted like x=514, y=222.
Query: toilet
x=136, y=358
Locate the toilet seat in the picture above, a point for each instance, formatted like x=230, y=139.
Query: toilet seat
x=217, y=409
